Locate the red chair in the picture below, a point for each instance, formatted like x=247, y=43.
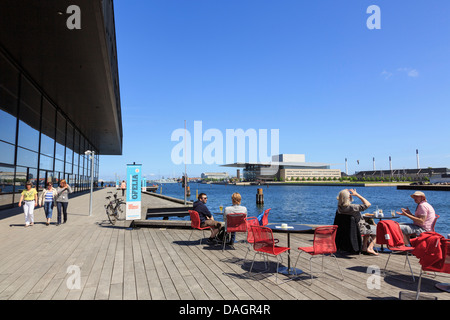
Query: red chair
x=445, y=268
x=434, y=222
x=263, y=242
x=235, y=222
x=195, y=224
x=385, y=236
x=250, y=221
x=265, y=218
x=324, y=244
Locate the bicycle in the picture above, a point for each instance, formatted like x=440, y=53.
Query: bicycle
x=114, y=209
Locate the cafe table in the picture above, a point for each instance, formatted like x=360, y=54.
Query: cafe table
x=291, y=228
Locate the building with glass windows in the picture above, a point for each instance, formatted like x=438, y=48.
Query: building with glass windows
x=59, y=93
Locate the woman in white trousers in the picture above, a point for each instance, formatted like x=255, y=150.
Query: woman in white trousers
x=29, y=199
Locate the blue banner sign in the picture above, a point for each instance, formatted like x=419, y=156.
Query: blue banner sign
x=134, y=180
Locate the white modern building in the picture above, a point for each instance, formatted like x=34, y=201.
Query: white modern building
x=286, y=167
x=215, y=175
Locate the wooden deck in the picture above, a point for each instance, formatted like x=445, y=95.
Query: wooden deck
x=120, y=263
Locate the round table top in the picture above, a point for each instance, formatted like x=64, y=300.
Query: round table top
x=385, y=217
x=292, y=227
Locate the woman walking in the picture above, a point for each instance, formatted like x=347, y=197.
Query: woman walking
x=29, y=199
x=62, y=200
x=47, y=200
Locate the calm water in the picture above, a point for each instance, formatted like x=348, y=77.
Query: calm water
x=312, y=204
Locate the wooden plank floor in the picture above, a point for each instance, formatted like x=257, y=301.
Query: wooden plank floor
x=119, y=263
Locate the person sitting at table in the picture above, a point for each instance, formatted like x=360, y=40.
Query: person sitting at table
x=422, y=218
x=345, y=206
x=206, y=218
x=235, y=208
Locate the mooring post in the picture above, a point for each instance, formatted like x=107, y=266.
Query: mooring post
x=260, y=197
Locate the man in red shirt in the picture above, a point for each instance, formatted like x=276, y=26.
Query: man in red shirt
x=422, y=218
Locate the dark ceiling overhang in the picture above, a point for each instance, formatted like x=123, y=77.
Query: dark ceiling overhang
x=76, y=69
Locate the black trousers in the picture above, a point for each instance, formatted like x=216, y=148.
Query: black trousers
x=62, y=207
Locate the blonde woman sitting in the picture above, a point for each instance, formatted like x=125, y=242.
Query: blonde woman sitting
x=235, y=208
x=345, y=206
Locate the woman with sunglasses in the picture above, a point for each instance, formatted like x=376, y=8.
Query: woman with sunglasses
x=62, y=200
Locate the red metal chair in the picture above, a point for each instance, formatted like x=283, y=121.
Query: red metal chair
x=235, y=222
x=195, y=224
x=383, y=237
x=445, y=268
x=434, y=222
x=265, y=218
x=250, y=221
x=263, y=242
x=324, y=244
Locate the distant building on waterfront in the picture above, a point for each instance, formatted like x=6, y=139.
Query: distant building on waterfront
x=59, y=93
x=215, y=175
x=286, y=167
x=404, y=174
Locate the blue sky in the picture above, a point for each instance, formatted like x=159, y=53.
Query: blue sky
x=311, y=69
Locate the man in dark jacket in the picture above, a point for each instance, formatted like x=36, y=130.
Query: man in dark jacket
x=206, y=218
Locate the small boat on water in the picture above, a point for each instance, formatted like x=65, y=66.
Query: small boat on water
x=152, y=188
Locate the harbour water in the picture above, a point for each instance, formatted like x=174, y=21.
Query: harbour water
x=311, y=204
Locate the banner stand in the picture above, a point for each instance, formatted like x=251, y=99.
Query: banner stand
x=133, y=199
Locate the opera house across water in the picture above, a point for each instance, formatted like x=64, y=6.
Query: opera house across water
x=285, y=167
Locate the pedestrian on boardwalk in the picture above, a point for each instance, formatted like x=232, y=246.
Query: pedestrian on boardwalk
x=62, y=200
x=29, y=201
x=47, y=200
x=123, y=186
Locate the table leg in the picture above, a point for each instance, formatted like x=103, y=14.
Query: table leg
x=288, y=270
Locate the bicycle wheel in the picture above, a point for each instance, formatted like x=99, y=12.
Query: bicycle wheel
x=110, y=214
x=121, y=211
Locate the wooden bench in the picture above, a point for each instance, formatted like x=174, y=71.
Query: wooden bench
x=166, y=213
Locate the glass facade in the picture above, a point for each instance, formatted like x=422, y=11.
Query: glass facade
x=38, y=143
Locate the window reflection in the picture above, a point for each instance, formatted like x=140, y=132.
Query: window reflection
x=6, y=153
x=27, y=158
x=46, y=163
x=7, y=127
x=20, y=180
x=6, y=185
x=23, y=112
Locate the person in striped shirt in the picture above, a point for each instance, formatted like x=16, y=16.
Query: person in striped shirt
x=47, y=200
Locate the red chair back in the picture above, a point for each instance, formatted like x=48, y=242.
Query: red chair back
x=251, y=221
x=195, y=219
x=265, y=218
x=263, y=239
x=324, y=240
x=389, y=233
x=446, y=266
x=236, y=222
x=434, y=222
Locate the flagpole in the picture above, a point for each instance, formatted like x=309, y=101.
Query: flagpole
x=185, y=151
